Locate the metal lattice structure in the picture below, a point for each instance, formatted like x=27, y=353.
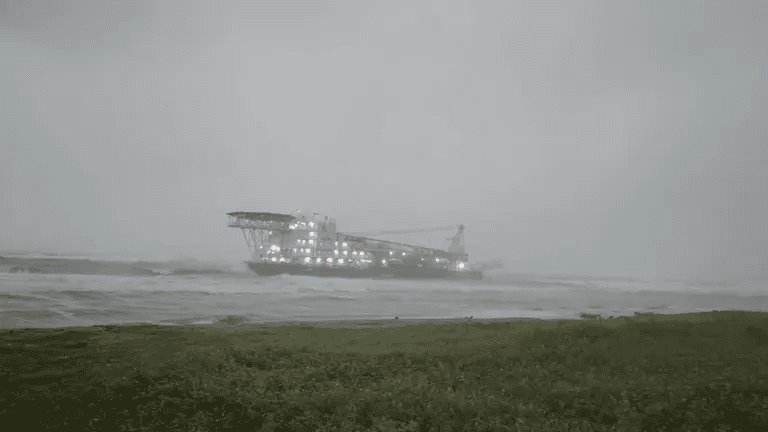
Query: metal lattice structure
x=258, y=228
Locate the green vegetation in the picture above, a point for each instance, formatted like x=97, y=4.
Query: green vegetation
x=649, y=372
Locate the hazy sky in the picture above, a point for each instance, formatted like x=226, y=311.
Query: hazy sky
x=604, y=137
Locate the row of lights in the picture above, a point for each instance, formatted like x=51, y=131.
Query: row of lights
x=330, y=260
x=308, y=260
x=336, y=252
x=301, y=225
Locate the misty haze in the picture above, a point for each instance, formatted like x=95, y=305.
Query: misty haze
x=395, y=165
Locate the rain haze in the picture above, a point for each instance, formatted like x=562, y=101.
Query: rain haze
x=591, y=137
x=359, y=215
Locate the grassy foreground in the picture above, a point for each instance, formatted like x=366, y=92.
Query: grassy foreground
x=685, y=372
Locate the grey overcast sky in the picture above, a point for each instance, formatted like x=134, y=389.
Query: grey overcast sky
x=602, y=137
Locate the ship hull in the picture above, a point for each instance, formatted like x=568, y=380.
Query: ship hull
x=392, y=272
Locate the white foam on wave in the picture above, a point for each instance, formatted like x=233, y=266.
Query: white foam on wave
x=49, y=300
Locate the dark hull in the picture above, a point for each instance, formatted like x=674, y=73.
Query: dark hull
x=402, y=272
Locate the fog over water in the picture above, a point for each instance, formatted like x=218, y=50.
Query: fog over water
x=593, y=138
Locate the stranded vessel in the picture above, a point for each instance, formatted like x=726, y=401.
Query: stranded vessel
x=309, y=245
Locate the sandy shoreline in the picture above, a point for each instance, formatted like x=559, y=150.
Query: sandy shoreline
x=403, y=322
x=363, y=323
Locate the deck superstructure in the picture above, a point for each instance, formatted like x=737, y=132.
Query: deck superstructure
x=311, y=245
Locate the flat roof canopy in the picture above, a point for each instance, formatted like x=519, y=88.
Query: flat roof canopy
x=262, y=216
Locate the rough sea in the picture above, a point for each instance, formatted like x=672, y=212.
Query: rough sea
x=59, y=298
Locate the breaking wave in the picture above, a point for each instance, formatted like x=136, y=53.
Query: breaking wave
x=54, y=292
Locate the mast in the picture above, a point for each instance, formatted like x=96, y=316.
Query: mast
x=457, y=242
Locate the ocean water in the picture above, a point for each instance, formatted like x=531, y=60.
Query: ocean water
x=56, y=300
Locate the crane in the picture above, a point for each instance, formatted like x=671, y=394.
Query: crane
x=407, y=231
x=457, y=240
